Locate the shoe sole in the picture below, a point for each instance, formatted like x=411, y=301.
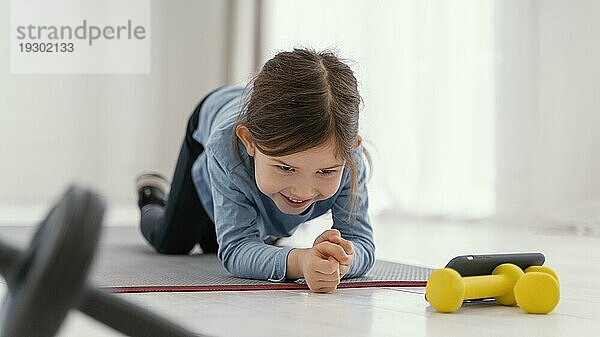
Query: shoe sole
x=154, y=180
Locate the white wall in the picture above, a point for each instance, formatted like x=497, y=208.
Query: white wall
x=516, y=109
x=549, y=109
x=569, y=109
x=102, y=130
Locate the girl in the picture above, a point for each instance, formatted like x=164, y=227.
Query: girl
x=257, y=163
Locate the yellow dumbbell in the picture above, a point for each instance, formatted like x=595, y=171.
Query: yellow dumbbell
x=542, y=269
x=538, y=291
x=446, y=289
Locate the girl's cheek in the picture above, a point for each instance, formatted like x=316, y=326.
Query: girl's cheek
x=330, y=189
x=268, y=184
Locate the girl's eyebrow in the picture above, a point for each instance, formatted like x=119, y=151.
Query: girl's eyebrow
x=327, y=168
x=332, y=167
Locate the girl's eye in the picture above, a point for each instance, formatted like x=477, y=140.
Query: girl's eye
x=285, y=168
x=326, y=172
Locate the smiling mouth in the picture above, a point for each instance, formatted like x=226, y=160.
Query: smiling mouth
x=297, y=203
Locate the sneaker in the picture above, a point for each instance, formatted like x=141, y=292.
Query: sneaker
x=152, y=189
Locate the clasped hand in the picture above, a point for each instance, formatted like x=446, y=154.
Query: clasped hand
x=327, y=261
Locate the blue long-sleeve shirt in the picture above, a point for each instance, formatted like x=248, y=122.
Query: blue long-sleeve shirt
x=245, y=217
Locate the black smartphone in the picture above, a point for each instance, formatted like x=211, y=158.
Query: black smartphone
x=473, y=265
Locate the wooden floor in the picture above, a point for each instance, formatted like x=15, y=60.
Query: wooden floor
x=571, y=249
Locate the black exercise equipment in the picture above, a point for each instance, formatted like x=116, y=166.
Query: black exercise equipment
x=48, y=279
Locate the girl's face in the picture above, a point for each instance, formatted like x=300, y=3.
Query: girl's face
x=296, y=181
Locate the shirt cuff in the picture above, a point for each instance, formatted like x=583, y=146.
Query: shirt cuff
x=280, y=266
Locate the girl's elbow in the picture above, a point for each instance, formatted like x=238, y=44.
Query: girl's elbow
x=369, y=259
x=226, y=259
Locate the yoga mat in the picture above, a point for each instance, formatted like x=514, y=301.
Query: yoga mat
x=148, y=272
x=125, y=263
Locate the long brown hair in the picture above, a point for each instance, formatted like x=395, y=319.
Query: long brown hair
x=299, y=100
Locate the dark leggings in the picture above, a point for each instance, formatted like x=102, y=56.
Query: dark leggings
x=178, y=227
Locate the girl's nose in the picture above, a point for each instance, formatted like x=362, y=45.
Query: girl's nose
x=303, y=192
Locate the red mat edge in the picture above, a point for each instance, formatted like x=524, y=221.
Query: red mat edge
x=274, y=286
